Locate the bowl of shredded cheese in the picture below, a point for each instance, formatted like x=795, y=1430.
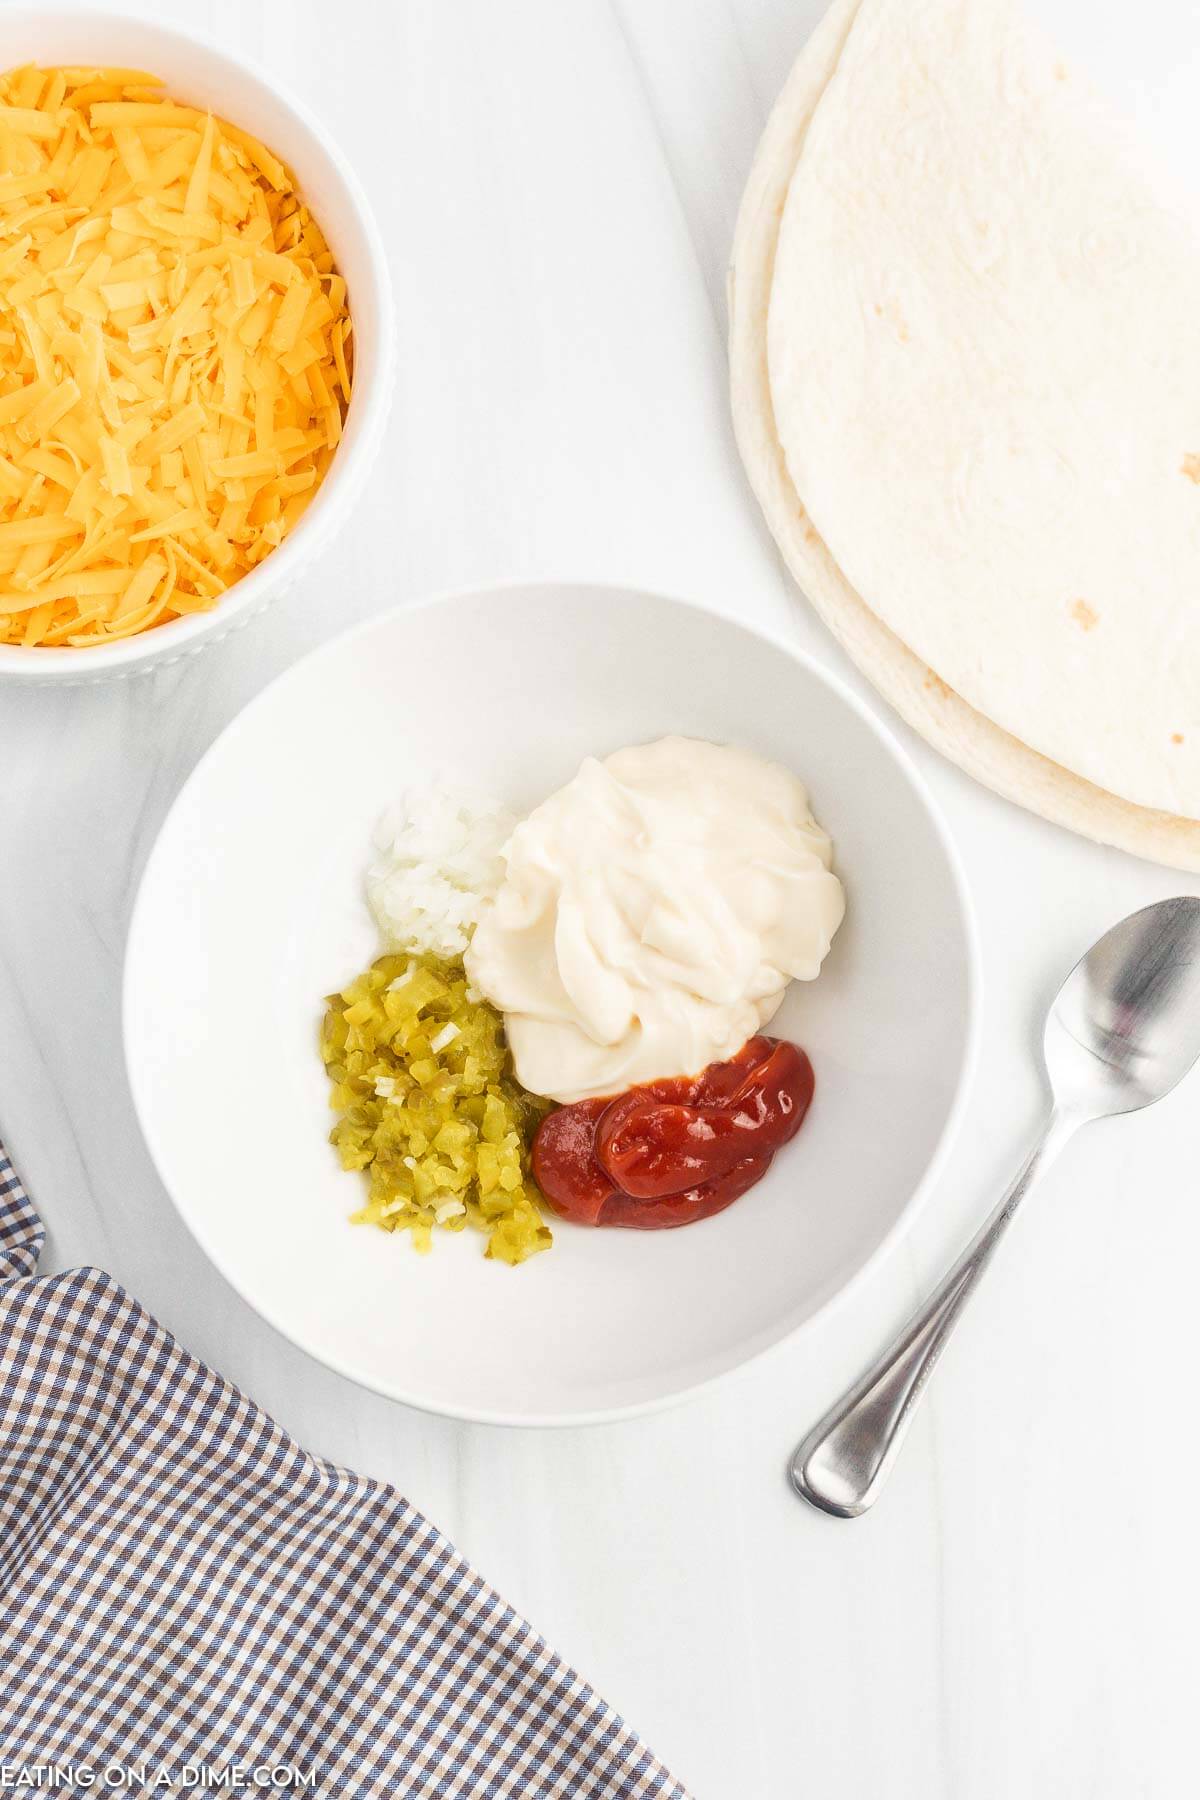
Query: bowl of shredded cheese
x=195, y=343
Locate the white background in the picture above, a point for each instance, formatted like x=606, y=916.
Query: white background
x=557, y=182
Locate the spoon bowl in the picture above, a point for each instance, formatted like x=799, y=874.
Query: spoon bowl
x=1125, y=1026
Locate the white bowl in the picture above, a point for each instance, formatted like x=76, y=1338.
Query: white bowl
x=251, y=910
x=196, y=71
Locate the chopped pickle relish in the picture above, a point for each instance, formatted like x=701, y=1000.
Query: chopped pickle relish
x=430, y=1108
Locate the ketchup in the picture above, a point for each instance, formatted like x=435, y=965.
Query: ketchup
x=674, y=1151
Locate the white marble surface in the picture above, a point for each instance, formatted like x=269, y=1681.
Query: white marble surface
x=557, y=182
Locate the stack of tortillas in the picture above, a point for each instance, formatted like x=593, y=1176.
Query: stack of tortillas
x=965, y=339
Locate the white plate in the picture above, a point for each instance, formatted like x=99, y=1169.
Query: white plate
x=251, y=910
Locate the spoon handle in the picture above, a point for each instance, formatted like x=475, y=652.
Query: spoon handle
x=843, y=1462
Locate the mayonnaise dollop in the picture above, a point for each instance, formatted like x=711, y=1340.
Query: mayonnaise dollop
x=652, y=913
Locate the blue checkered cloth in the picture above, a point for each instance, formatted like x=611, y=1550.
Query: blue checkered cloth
x=182, y=1587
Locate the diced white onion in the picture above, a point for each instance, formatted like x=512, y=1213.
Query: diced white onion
x=438, y=858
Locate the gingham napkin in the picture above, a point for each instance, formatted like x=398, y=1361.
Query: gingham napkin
x=186, y=1593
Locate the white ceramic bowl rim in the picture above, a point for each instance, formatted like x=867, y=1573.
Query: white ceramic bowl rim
x=355, y=455
x=973, y=969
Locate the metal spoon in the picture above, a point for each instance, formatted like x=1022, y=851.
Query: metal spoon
x=1124, y=1029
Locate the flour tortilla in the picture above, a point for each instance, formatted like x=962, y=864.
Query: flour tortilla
x=970, y=739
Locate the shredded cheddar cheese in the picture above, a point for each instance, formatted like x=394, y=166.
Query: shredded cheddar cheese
x=175, y=355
